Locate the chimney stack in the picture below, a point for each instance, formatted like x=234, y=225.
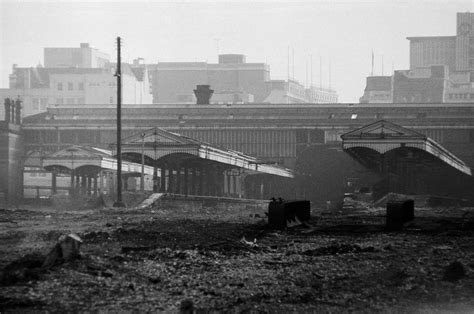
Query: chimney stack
x=7, y=105
x=203, y=94
x=18, y=111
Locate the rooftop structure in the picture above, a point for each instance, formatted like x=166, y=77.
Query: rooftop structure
x=83, y=56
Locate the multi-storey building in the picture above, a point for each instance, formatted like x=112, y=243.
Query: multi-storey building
x=233, y=81
x=82, y=57
x=173, y=82
x=39, y=86
x=433, y=50
x=441, y=69
x=377, y=90
x=420, y=85
x=465, y=42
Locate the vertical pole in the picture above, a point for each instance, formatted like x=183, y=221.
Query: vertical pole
x=155, y=177
x=142, y=179
x=193, y=181
x=186, y=178
x=89, y=185
x=96, y=185
x=178, y=179
x=202, y=184
x=53, y=182
x=101, y=182
x=163, y=178
x=119, y=202
x=170, y=178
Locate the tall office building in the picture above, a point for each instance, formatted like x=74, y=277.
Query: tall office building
x=433, y=50
x=441, y=68
x=465, y=42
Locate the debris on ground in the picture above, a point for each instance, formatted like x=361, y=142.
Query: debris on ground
x=217, y=260
x=67, y=249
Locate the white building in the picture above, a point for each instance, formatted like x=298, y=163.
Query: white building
x=82, y=57
x=292, y=92
x=39, y=87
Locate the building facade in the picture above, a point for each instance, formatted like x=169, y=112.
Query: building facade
x=233, y=81
x=173, y=82
x=39, y=87
x=425, y=85
x=441, y=70
x=303, y=137
x=82, y=57
x=427, y=51
x=465, y=42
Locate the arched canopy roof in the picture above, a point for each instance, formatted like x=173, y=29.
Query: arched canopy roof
x=383, y=136
x=75, y=157
x=157, y=143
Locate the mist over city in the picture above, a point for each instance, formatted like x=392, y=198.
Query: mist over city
x=236, y=156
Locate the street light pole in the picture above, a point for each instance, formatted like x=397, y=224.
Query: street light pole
x=119, y=202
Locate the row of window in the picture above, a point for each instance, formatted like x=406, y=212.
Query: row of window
x=70, y=86
x=80, y=86
x=40, y=104
x=69, y=101
x=461, y=96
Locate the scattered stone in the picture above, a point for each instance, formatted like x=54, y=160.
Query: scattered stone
x=454, y=272
x=249, y=243
x=66, y=249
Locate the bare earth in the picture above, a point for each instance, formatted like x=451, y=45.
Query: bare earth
x=151, y=260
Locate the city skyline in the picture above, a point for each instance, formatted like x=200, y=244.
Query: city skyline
x=341, y=34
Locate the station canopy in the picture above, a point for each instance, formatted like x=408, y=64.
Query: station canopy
x=383, y=136
x=77, y=157
x=159, y=145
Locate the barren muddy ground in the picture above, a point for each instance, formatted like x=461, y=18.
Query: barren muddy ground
x=229, y=261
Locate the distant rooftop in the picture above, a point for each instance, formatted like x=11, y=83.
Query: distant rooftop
x=431, y=37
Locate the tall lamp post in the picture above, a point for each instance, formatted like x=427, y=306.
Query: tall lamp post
x=119, y=202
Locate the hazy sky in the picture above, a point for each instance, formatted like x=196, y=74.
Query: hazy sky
x=340, y=33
